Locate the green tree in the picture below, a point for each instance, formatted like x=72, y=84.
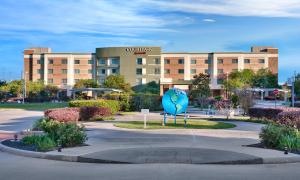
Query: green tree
x=239, y=79
x=86, y=83
x=118, y=82
x=200, y=86
x=2, y=83
x=13, y=87
x=265, y=78
x=151, y=87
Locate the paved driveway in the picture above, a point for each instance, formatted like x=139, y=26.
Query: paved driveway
x=14, y=120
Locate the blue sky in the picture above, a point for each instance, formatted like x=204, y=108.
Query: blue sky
x=182, y=25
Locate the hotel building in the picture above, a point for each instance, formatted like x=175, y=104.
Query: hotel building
x=140, y=65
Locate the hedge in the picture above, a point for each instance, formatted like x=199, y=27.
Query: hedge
x=123, y=98
x=112, y=104
x=76, y=114
x=285, y=116
x=91, y=113
x=63, y=114
x=145, y=101
x=264, y=113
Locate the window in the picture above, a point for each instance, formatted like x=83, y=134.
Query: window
x=247, y=61
x=219, y=81
x=139, y=61
x=193, y=61
x=235, y=61
x=77, y=80
x=220, y=71
x=90, y=61
x=64, y=81
x=180, y=71
x=77, y=62
x=157, y=71
x=50, y=81
x=114, y=71
x=39, y=62
x=261, y=61
x=139, y=71
x=167, y=61
x=115, y=61
x=50, y=71
x=180, y=61
x=90, y=71
x=167, y=71
x=157, y=61
x=102, y=71
x=64, y=61
x=40, y=71
x=102, y=61
x=77, y=71
x=207, y=71
x=64, y=71
x=220, y=61
x=193, y=71
x=50, y=61
x=207, y=61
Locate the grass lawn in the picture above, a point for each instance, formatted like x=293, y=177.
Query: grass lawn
x=33, y=106
x=191, y=124
x=244, y=119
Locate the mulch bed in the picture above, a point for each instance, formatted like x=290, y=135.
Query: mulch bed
x=19, y=145
x=260, y=145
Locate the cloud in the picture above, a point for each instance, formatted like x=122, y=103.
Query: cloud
x=110, y=17
x=209, y=20
x=258, y=8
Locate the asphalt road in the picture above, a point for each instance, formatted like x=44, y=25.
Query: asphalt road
x=17, y=167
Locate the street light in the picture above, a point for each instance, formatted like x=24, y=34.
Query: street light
x=24, y=85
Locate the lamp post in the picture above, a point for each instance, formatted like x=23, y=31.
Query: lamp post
x=24, y=85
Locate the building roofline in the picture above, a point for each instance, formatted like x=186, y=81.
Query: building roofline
x=217, y=53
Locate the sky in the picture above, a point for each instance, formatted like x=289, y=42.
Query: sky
x=175, y=25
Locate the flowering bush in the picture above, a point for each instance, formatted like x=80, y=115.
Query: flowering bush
x=289, y=118
x=205, y=102
x=75, y=114
x=63, y=114
x=89, y=113
x=222, y=104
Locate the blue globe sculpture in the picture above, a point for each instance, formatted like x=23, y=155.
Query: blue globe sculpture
x=175, y=101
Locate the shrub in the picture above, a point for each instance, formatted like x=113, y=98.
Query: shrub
x=289, y=118
x=218, y=98
x=63, y=114
x=112, y=104
x=67, y=134
x=264, y=113
x=70, y=135
x=276, y=136
x=90, y=113
x=42, y=142
x=123, y=98
x=145, y=101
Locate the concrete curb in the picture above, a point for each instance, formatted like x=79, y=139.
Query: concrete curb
x=40, y=155
x=81, y=159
